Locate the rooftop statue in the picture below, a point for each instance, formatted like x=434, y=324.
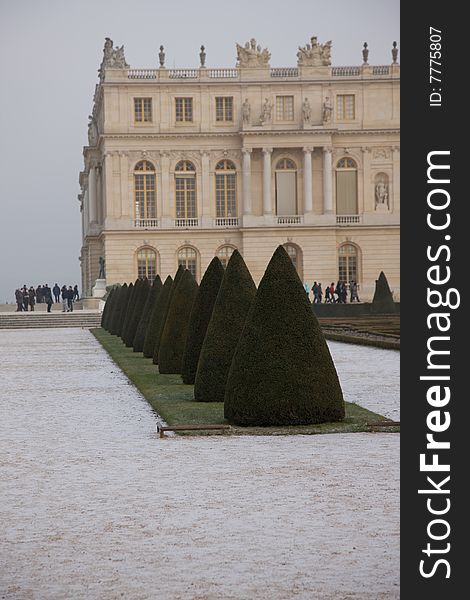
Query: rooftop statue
x=314, y=54
x=113, y=58
x=251, y=55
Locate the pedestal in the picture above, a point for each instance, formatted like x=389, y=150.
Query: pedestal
x=99, y=289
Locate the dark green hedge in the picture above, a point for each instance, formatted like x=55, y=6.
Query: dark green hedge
x=282, y=372
x=200, y=317
x=236, y=293
x=129, y=309
x=163, y=315
x=108, y=309
x=383, y=299
x=173, y=340
x=139, y=338
x=141, y=295
x=157, y=314
x=119, y=311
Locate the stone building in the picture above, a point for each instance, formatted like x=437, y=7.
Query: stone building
x=183, y=164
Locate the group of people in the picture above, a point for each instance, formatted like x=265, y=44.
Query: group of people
x=335, y=293
x=26, y=298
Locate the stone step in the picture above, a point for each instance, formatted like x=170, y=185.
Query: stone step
x=46, y=321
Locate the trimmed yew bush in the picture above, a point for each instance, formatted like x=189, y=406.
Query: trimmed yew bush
x=173, y=340
x=201, y=313
x=108, y=309
x=158, y=310
x=121, y=305
x=129, y=309
x=231, y=307
x=383, y=298
x=282, y=372
x=141, y=295
x=139, y=338
x=162, y=317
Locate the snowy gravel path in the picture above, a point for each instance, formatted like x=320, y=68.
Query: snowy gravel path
x=95, y=506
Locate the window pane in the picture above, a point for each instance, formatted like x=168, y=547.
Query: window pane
x=284, y=108
x=286, y=193
x=346, y=192
x=147, y=264
x=187, y=258
x=345, y=107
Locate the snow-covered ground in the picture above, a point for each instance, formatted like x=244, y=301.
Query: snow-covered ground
x=95, y=506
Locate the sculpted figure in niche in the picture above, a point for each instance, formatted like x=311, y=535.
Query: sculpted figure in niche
x=306, y=111
x=266, y=112
x=246, y=111
x=327, y=110
x=381, y=193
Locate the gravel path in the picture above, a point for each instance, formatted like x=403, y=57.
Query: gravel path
x=95, y=506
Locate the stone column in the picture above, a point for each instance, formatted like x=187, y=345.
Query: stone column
x=267, y=205
x=247, y=208
x=204, y=210
x=327, y=182
x=92, y=194
x=308, y=197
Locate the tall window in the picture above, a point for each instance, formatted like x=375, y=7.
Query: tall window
x=345, y=107
x=225, y=189
x=346, y=187
x=185, y=190
x=284, y=108
x=224, y=108
x=295, y=256
x=142, y=110
x=347, y=263
x=184, y=110
x=224, y=253
x=286, y=187
x=144, y=186
x=147, y=264
x=187, y=257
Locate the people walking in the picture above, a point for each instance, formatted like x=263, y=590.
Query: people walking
x=25, y=298
x=19, y=300
x=56, y=290
x=65, y=296
x=70, y=296
x=354, y=291
x=32, y=298
x=48, y=298
x=76, y=295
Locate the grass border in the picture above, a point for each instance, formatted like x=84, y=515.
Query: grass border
x=173, y=401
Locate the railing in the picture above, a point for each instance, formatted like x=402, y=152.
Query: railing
x=348, y=219
x=223, y=73
x=142, y=74
x=226, y=222
x=183, y=73
x=345, y=71
x=381, y=70
x=285, y=72
x=290, y=220
x=186, y=222
x=146, y=223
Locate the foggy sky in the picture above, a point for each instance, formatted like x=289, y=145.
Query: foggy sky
x=50, y=51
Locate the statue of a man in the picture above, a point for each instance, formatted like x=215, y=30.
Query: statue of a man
x=246, y=110
x=306, y=111
x=327, y=110
x=266, y=112
x=381, y=193
x=102, y=273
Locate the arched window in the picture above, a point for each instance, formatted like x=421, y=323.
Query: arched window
x=146, y=264
x=295, y=254
x=145, y=198
x=346, y=187
x=225, y=189
x=187, y=257
x=224, y=253
x=185, y=190
x=286, y=187
x=347, y=263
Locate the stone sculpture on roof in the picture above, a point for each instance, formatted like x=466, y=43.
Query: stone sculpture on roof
x=314, y=54
x=113, y=58
x=251, y=55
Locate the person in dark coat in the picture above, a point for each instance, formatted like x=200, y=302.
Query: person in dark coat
x=25, y=298
x=64, y=293
x=39, y=295
x=70, y=295
x=56, y=290
x=19, y=300
x=76, y=295
x=32, y=298
x=48, y=297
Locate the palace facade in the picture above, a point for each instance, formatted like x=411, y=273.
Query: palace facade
x=185, y=164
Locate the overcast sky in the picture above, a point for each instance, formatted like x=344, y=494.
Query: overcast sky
x=50, y=51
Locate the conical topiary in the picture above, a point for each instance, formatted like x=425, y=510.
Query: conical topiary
x=173, y=340
x=200, y=317
x=382, y=302
x=163, y=315
x=129, y=307
x=141, y=295
x=282, y=372
x=107, y=309
x=139, y=337
x=121, y=305
x=158, y=313
x=231, y=307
